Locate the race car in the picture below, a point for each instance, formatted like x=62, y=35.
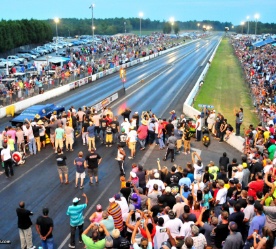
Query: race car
x=39, y=111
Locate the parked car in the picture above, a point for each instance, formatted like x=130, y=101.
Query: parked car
x=41, y=50
x=4, y=62
x=39, y=111
x=33, y=52
x=15, y=58
x=25, y=56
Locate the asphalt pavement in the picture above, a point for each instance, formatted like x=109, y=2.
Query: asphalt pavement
x=160, y=85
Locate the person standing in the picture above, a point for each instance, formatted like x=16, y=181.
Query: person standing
x=25, y=226
x=122, y=137
x=121, y=155
x=93, y=160
x=69, y=137
x=91, y=136
x=115, y=126
x=59, y=135
x=7, y=160
x=62, y=167
x=75, y=212
x=198, y=128
x=80, y=164
x=131, y=141
x=30, y=137
x=44, y=227
x=143, y=133
x=239, y=120
x=171, y=142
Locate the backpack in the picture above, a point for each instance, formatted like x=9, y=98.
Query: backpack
x=124, y=243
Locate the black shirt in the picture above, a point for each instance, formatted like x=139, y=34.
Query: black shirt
x=45, y=223
x=84, y=126
x=125, y=192
x=92, y=160
x=156, y=209
x=103, y=123
x=122, y=138
x=36, y=131
x=169, y=128
x=229, y=168
x=230, y=191
x=114, y=126
x=256, y=167
x=169, y=199
x=224, y=161
x=61, y=160
x=222, y=232
x=238, y=218
x=142, y=178
x=24, y=221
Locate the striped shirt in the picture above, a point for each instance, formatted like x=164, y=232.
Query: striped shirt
x=115, y=211
x=75, y=213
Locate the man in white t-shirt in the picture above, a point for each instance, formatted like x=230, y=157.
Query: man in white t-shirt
x=6, y=159
x=122, y=202
x=156, y=180
x=161, y=234
x=185, y=230
x=198, y=165
x=174, y=224
x=131, y=141
x=198, y=128
x=221, y=197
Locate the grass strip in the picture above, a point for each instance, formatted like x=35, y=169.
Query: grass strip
x=225, y=88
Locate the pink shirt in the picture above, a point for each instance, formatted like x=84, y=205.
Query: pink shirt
x=142, y=132
x=12, y=133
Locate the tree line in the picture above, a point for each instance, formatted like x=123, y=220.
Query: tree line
x=22, y=32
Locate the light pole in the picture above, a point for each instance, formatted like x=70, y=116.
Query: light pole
x=92, y=9
x=172, y=23
x=141, y=16
x=56, y=21
x=257, y=16
x=242, y=23
x=248, y=17
x=125, y=27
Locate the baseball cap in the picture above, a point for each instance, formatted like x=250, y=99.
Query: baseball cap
x=76, y=200
x=112, y=199
x=134, y=197
x=123, y=130
x=168, y=189
x=171, y=214
x=117, y=197
x=166, y=245
x=156, y=175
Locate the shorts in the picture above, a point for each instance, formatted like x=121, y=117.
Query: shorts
x=63, y=170
x=80, y=175
x=92, y=172
x=132, y=145
x=178, y=143
x=42, y=138
x=52, y=138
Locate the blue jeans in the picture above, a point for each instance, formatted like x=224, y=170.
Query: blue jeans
x=142, y=143
x=48, y=243
x=32, y=146
x=161, y=142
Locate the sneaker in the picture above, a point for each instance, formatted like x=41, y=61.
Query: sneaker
x=130, y=157
x=106, y=146
x=76, y=186
x=110, y=145
x=84, y=144
x=71, y=246
x=33, y=247
x=164, y=159
x=55, y=152
x=97, y=182
x=185, y=153
x=81, y=187
x=90, y=183
x=172, y=160
x=80, y=241
x=66, y=182
x=189, y=152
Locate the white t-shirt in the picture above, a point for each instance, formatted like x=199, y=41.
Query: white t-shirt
x=221, y=196
x=151, y=182
x=160, y=237
x=186, y=229
x=132, y=136
x=198, y=170
x=267, y=168
x=239, y=176
x=174, y=225
x=123, y=205
x=198, y=123
x=6, y=153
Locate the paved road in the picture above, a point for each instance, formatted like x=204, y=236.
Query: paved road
x=167, y=82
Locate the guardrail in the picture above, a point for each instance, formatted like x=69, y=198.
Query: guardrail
x=23, y=104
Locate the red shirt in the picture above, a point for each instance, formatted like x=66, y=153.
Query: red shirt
x=254, y=187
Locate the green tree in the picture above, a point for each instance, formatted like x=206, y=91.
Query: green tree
x=167, y=28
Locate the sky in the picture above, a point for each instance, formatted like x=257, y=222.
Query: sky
x=234, y=11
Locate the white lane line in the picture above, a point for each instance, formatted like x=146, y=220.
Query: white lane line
x=33, y=167
x=88, y=211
